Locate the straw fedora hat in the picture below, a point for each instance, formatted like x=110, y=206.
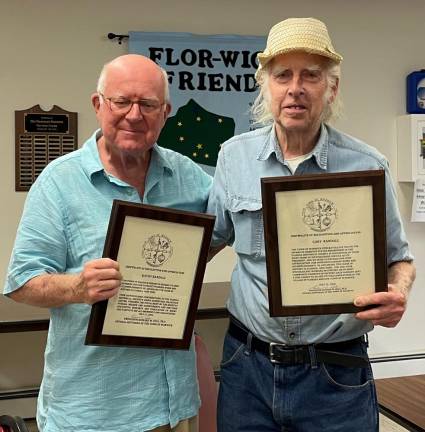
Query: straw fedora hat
x=298, y=34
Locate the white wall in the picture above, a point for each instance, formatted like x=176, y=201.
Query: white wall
x=52, y=51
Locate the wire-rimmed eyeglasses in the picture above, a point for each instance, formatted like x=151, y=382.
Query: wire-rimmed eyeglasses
x=120, y=105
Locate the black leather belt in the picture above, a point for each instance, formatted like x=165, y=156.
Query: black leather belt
x=300, y=354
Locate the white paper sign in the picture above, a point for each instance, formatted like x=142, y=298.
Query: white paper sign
x=418, y=202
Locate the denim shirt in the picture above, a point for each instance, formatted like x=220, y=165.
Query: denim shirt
x=64, y=223
x=235, y=199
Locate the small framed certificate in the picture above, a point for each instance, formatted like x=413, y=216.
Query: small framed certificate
x=162, y=254
x=325, y=241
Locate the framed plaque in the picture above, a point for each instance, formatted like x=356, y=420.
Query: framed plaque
x=40, y=137
x=325, y=241
x=162, y=255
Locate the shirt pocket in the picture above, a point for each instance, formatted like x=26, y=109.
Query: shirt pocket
x=247, y=218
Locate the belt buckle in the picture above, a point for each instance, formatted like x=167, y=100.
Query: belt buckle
x=271, y=351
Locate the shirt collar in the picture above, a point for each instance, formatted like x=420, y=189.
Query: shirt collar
x=92, y=163
x=160, y=160
x=320, y=151
x=90, y=155
x=271, y=145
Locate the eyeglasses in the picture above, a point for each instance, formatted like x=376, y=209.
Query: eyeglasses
x=122, y=106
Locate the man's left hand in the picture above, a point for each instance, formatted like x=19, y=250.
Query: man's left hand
x=389, y=306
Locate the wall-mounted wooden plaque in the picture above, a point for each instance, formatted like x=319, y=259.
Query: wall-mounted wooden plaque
x=40, y=137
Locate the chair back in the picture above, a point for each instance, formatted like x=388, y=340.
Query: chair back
x=12, y=424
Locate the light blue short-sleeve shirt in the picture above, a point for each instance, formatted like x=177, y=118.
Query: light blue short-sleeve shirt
x=64, y=223
x=236, y=201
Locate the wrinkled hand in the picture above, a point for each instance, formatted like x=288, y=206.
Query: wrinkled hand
x=99, y=280
x=390, y=307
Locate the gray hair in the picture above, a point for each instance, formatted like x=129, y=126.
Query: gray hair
x=260, y=110
x=104, y=72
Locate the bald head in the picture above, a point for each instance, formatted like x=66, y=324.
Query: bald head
x=131, y=106
x=133, y=67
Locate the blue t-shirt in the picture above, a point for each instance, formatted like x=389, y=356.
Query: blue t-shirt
x=64, y=224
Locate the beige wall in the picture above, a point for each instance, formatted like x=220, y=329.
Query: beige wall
x=51, y=53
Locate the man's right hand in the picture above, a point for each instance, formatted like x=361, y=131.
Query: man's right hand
x=99, y=280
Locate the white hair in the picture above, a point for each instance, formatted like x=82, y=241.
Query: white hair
x=261, y=111
x=104, y=72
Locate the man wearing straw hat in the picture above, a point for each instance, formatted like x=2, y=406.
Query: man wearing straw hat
x=300, y=373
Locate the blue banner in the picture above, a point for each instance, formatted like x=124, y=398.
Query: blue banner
x=212, y=87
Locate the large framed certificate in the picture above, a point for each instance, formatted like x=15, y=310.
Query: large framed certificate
x=162, y=255
x=325, y=241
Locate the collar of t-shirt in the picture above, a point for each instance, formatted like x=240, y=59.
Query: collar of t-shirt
x=295, y=161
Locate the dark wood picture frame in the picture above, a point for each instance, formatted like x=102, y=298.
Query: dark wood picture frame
x=120, y=210
x=270, y=186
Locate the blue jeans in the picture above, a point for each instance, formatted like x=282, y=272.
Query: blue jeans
x=258, y=396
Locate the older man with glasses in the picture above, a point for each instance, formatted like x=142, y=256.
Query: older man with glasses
x=56, y=262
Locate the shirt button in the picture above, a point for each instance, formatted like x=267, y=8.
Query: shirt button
x=291, y=335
